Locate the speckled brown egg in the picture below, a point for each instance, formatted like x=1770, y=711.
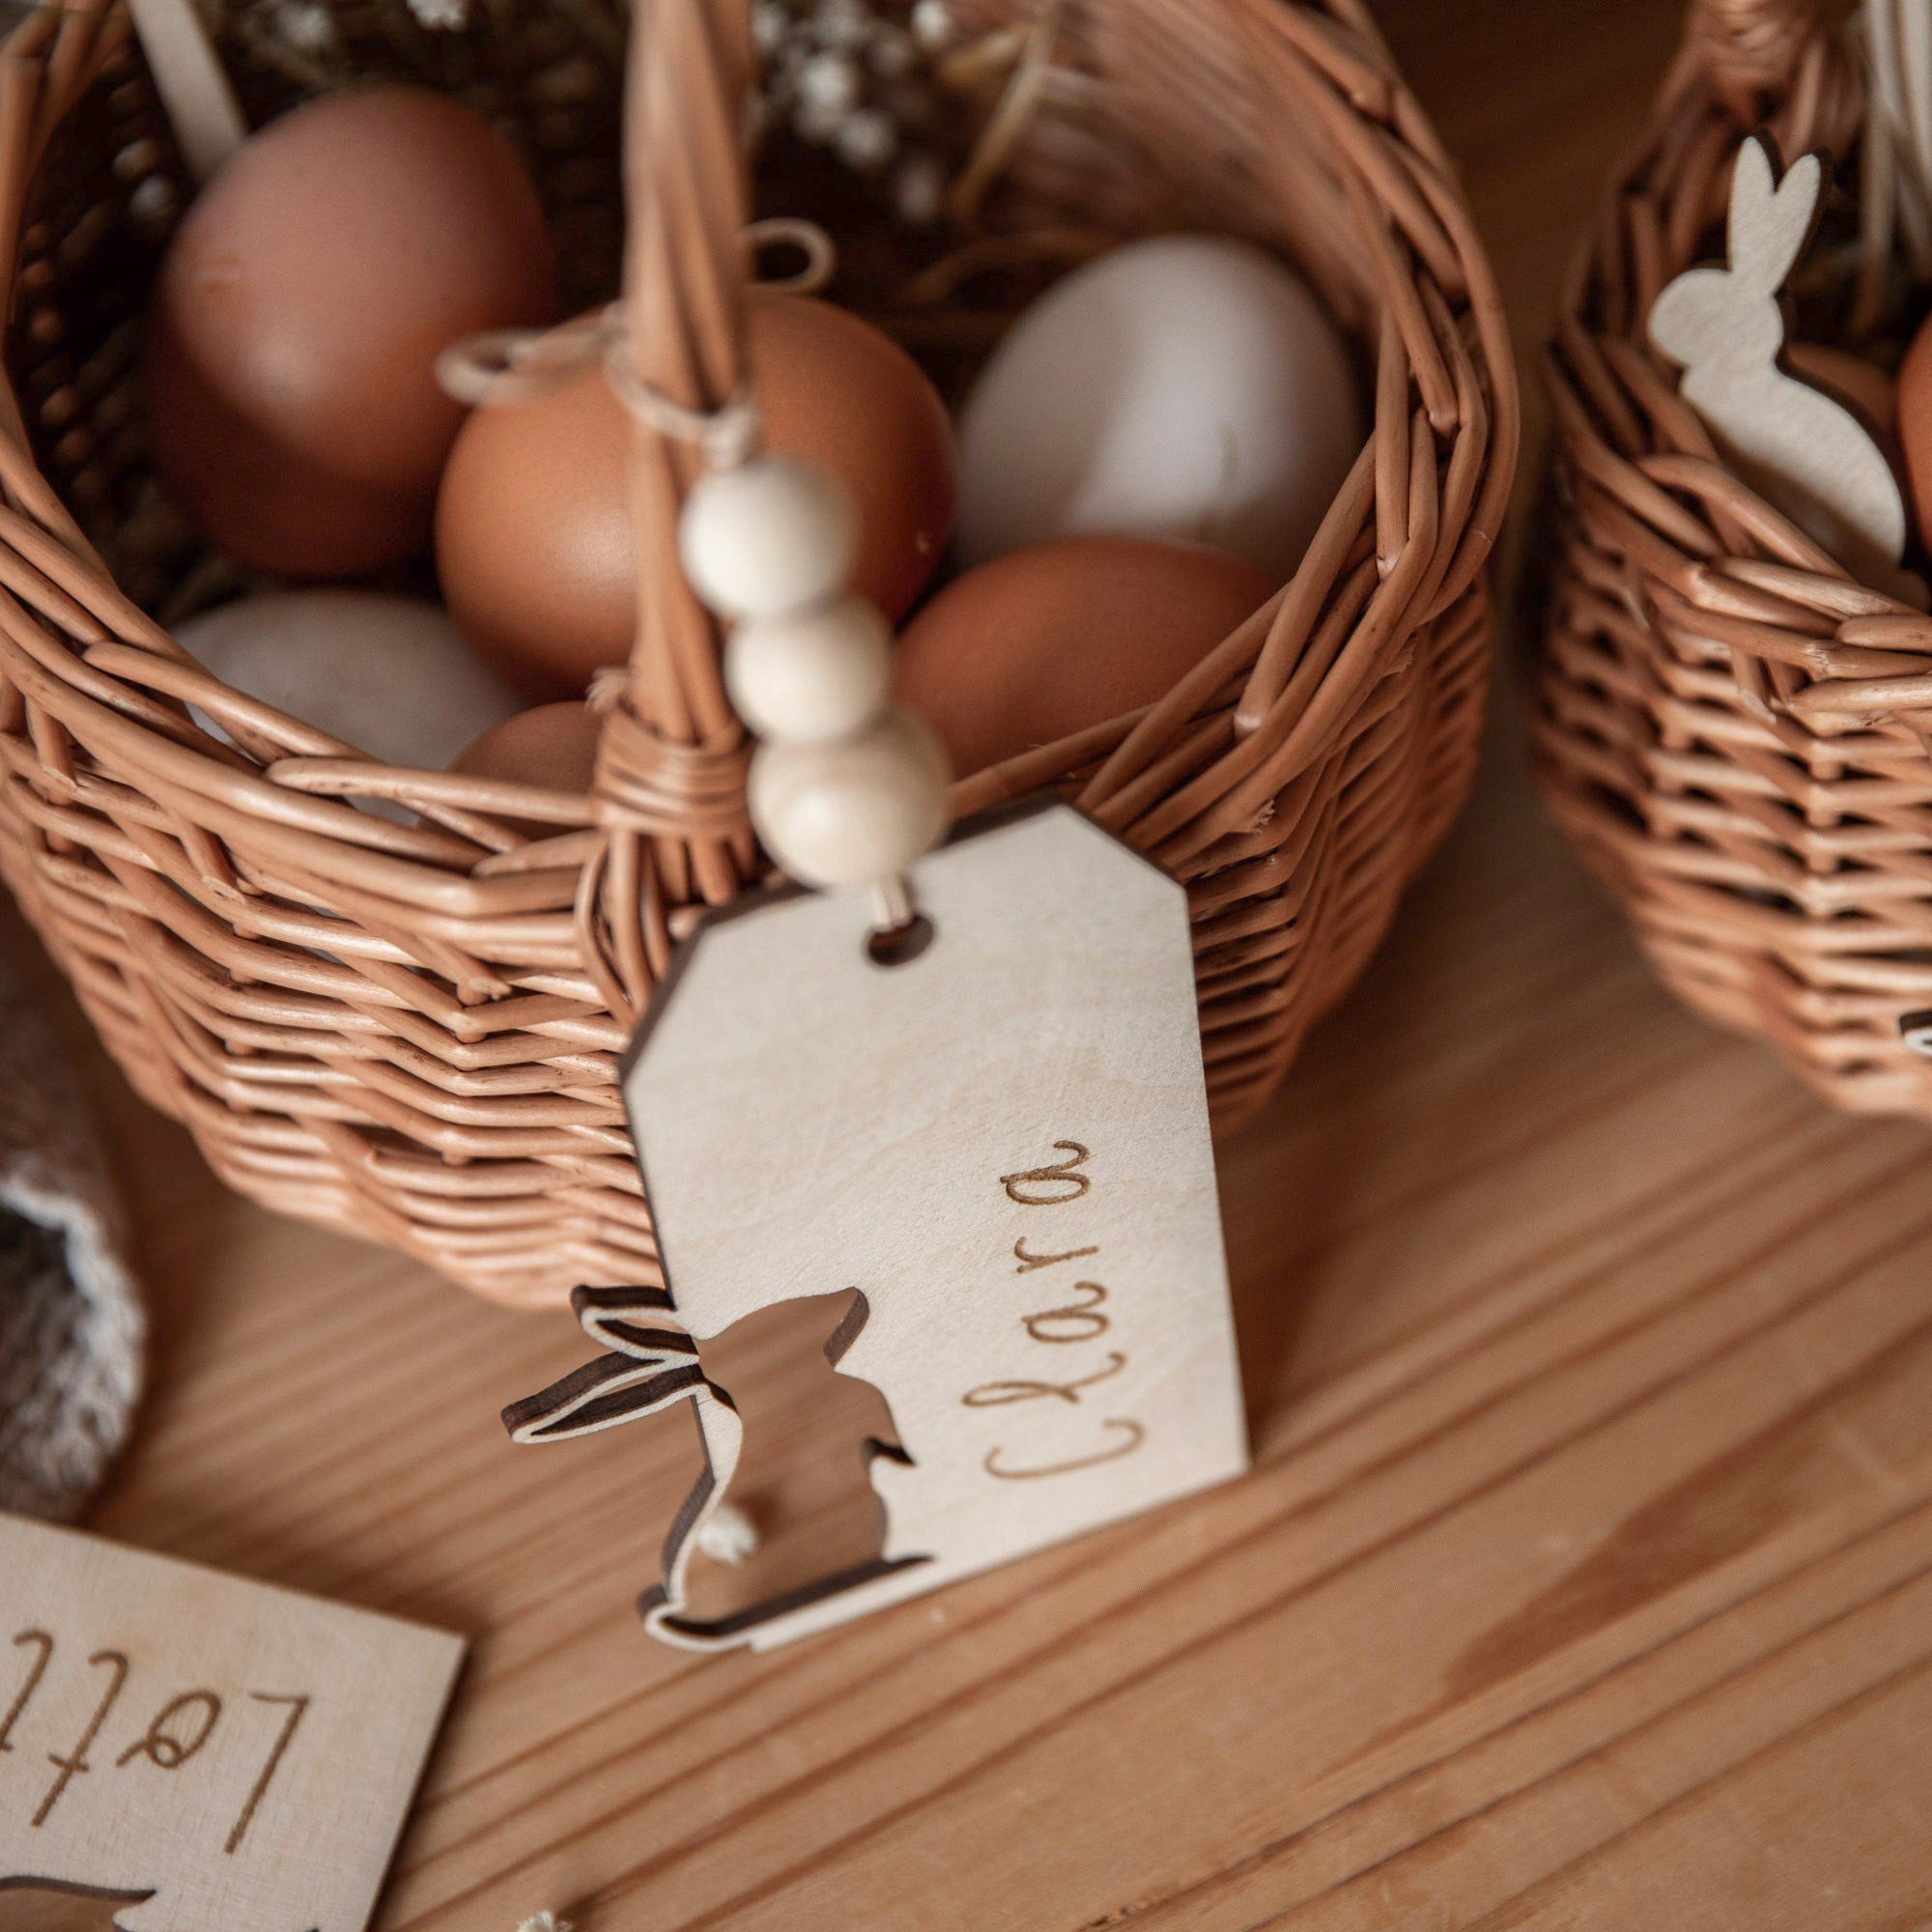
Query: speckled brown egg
x=533, y=535
x=1046, y=641
x=294, y=331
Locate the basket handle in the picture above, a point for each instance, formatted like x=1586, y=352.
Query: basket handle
x=671, y=757
x=195, y=91
x=1749, y=47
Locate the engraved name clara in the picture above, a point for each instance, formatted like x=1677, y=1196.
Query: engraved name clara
x=1077, y=1323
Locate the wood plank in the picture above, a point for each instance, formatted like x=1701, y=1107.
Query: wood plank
x=199, y=1749
x=1584, y=1580
x=999, y=1147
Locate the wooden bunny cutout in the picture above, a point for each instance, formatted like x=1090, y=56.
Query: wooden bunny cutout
x=1797, y=447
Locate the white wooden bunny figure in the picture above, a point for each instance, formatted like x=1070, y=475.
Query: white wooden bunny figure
x=1797, y=447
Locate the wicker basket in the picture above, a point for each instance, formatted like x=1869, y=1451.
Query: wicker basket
x=1735, y=733
x=411, y=1031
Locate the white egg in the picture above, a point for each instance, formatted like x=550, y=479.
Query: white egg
x=391, y=675
x=1187, y=387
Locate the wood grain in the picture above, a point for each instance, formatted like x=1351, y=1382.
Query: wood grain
x=999, y=1147
x=1585, y=1579
x=209, y=1754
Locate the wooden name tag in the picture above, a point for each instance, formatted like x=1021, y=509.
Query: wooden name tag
x=1000, y=1140
x=184, y=1751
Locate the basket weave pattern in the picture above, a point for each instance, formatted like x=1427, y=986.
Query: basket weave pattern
x=411, y=1031
x=1734, y=734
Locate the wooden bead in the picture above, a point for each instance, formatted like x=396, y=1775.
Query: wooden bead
x=825, y=674
x=773, y=536
x=855, y=811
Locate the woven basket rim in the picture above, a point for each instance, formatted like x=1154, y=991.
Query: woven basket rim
x=1231, y=771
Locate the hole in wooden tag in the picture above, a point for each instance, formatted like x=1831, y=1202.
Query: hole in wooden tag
x=902, y=945
x=48, y=1905
x=803, y=1480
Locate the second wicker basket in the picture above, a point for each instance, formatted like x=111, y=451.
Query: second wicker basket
x=1734, y=732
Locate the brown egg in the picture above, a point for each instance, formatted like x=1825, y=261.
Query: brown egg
x=835, y=388
x=294, y=331
x=533, y=534
x=1850, y=379
x=533, y=537
x=1049, y=640
x=553, y=746
x=1914, y=427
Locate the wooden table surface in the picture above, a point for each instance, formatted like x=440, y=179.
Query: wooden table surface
x=1586, y=1580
